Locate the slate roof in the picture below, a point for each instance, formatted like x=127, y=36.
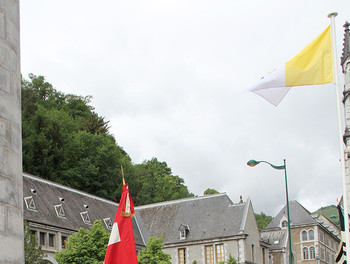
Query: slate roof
x=277, y=238
x=47, y=195
x=207, y=217
x=298, y=216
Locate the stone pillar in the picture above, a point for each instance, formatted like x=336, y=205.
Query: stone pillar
x=345, y=62
x=11, y=183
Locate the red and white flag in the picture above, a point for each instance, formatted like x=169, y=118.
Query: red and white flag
x=121, y=246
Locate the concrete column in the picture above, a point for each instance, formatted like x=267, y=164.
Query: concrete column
x=11, y=189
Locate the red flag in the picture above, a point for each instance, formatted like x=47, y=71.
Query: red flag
x=121, y=246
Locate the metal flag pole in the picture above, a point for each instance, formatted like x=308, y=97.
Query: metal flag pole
x=340, y=130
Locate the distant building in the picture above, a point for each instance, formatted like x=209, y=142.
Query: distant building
x=315, y=239
x=206, y=228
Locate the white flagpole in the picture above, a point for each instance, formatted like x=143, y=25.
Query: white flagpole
x=340, y=130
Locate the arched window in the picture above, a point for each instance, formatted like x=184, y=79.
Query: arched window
x=312, y=253
x=284, y=223
x=305, y=253
x=311, y=234
x=304, y=235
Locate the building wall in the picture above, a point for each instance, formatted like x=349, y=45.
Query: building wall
x=253, y=250
x=11, y=215
x=196, y=251
x=346, y=70
x=51, y=239
x=324, y=242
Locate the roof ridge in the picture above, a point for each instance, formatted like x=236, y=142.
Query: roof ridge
x=179, y=200
x=68, y=188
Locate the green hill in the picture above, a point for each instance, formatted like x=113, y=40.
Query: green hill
x=331, y=212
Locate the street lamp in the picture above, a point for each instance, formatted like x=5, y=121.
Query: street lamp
x=253, y=163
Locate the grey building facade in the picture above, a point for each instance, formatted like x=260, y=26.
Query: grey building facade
x=206, y=229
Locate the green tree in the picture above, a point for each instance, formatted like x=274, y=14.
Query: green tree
x=231, y=260
x=32, y=252
x=153, y=253
x=210, y=191
x=262, y=220
x=155, y=183
x=85, y=246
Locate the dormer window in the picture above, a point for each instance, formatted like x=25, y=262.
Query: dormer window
x=86, y=218
x=183, y=229
x=108, y=223
x=60, y=211
x=30, y=203
x=284, y=223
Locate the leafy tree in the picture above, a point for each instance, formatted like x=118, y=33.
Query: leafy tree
x=231, y=260
x=155, y=183
x=153, y=253
x=32, y=252
x=262, y=220
x=85, y=246
x=210, y=191
x=65, y=141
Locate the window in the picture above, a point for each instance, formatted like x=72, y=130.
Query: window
x=42, y=238
x=64, y=239
x=312, y=253
x=183, y=229
x=328, y=257
x=59, y=211
x=311, y=234
x=108, y=223
x=182, y=255
x=209, y=256
x=322, y=253
x=30, y=203
x=303, y=235
x=253, y=253
x=51, y=240
x=326, y=239
x=219, y=250
x=86, y=218
x=305, y=253
x=321, y=237
x=284, y=223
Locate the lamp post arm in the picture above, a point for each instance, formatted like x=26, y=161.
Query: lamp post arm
x=283, y=167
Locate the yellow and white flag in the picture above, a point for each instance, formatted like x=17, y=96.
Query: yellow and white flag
x=313, y=65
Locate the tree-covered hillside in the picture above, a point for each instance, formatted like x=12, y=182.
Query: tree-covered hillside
x=331, y=212
x=66, y=141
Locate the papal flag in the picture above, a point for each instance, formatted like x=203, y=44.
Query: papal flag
x=313, y=65
x=121, y=246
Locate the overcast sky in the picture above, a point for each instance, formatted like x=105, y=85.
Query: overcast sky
x=169, y=75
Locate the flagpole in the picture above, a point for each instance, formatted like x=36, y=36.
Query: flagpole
x=121, y=166
x=340, y=130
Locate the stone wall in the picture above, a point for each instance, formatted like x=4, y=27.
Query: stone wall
x=11, y=214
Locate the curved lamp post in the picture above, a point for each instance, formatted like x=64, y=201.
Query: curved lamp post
x=253, y=163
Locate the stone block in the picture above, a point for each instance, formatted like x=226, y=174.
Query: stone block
x=9, y=192
x=2, y=219
x=16, y=140
x=11, y=249
x=16, y=87
x=10, y=164
x=11, y=9
x=10, y=111
x=14, y=221
x=12, y=34
x=4, y=133
x=2, y=26
x=9, y=57
x=5, y=80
